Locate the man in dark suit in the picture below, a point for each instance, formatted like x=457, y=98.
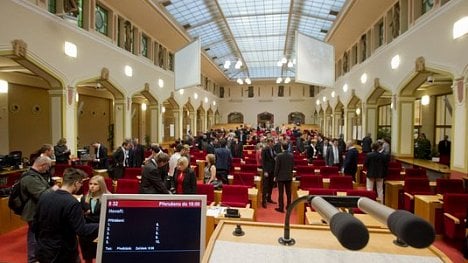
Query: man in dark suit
x=120, y=160
x=444, y=150
x=376, y=164
x=366, y=143
x=100, y=153
x=283, y=175
x=152, y=179
x=268, y=165
x=351, y=160
x=137, y=154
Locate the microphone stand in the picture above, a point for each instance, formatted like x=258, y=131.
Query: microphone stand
x=285, y=239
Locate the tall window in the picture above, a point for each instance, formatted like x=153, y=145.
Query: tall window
x=79, y=4
x=102, y=20
x=381, y=34
x=144, y=45
x=427, y=5
x=52, y=6
x=443, y=121
x=384, y=121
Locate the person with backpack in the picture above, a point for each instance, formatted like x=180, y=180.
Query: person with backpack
x=33, y=185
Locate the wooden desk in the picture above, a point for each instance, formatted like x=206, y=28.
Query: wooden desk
x=430, y=165
x=314, y=218
x=8, y=220
x=426, y=205
x=101, y=172
x=253, y=197
x=313, y=243
x=216, y=213
x=300, y=208
x=392, y=188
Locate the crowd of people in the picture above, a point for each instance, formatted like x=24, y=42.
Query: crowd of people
x=55, y=217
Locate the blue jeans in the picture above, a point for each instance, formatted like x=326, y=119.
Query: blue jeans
x=32, y=245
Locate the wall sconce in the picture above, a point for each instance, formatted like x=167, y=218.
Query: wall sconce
x=70, y=49
x=163, y=109
x=395, y=62
x=128, y=71
x=214, y=103
x=161, y=83
x=143, y=106
x=206, y=99
x=425, y=100
x=363, y=78
x=460, y=27
x=181, y=92
x=195, y=95
x=333, y=94
x=358, y=111
x=3, y=86
x=345, y=87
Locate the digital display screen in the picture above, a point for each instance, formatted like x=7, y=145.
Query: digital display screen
x=152, y=228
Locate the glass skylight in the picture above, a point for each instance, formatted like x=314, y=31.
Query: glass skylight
x=254, y=31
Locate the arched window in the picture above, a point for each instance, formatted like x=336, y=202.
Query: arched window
x=296, y=118
x=235, y=117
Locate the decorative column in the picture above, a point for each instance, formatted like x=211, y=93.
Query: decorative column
x=370, y=120
x=459, y=151
x=402, y=144
x=154, y=117
x=70, y=117
x=56, y=118
x=336, y=123
x=178, y=122
x=4, y=125
x=120, y=112
x=348, y=124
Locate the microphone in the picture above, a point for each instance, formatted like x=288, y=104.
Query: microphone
x=350, y=232
x=407, y=227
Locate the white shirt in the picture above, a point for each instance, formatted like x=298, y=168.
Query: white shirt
x=173, y=162
x=336, y=158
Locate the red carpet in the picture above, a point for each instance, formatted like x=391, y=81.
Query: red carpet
x=13, y=244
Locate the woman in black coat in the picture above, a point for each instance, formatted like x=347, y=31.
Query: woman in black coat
x=185, y=181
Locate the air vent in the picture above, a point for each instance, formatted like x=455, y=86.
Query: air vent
x=323, y=30
x=187, y=26
x=333, y=13
x=166, y=3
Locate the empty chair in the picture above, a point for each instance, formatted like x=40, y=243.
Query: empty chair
x=235, y=195
x=127, y=186
x=455, y=209
x=243, y=178
x=394, y=164
x=415, y=186
x=249, y=168
x=321, y=191
x=311, y=181
x=362, y=193
x=250, y=161
x=318, y=163
x=341, y=182
x=208, y=190
x=300, y=162
x=304, y=170
x=449, y=186
x=415, y=172
x=236, y=162
x=59, y=168
x=132, y=172
x=394, y=174
x=329, y=171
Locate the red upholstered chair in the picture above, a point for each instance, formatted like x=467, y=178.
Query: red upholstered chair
x=235, y=195
x=321, y=191
x=455, y=213
x=327, y=171
x=109, y=185
x=208, y=190
x=236, y=162
x=127, y=186
x=249, y=168
x=394, y=164
x=415, y=172
x=85, y=168
x=108, y=181
x=59, y=168
x=300, y=162
x=449, y=186
x=311, y=181
x=244, y=178
x=415, y=186
x=318, y=162
x=302, y=170
x=341, y=182
x=11, y=179
x=250, y=161
x=132, y=172
x=394, y=174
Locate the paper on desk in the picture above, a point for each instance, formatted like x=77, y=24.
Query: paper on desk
x=215, y=211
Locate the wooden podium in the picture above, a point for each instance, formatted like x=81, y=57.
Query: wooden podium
x=313, y=244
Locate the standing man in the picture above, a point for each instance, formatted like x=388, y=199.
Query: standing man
x=283, y=175
x=59, y=219
x=223, y=161
x=268, y=166
x=444, y=150
x=152, y=177
x=120, y=157
x=366, y=143
x=376, y=163
x=33, y=185
x=351, y=160
x=138, y=154
x=100, y=153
